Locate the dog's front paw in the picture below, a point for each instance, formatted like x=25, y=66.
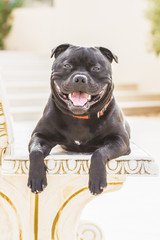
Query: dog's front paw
x=97, y=178
x=37, y=180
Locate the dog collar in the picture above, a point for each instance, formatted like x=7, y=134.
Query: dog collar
x=99, y=114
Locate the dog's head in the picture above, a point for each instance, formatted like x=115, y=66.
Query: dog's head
x=81, y=79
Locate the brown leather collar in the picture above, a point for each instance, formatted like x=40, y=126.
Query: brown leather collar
x=99, y=114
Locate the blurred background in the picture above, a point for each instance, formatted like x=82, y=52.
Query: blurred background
x=29, y=29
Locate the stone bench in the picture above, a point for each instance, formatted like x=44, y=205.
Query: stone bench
x=54, y=214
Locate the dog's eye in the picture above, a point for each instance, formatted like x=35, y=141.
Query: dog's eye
x=67, y=66
x=95, y=68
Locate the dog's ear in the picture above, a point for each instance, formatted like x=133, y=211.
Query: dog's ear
x=107, y=53
x=61, y=48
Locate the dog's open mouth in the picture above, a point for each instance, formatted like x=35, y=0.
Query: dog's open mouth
x=79, y=99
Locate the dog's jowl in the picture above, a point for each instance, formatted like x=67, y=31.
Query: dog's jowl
x=81, y=115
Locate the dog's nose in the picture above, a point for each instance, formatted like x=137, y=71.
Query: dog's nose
x=80, y=79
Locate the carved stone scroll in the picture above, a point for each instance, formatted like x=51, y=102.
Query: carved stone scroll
x=61, y=163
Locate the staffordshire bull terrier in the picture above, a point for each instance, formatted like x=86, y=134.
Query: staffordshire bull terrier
x=81, y=115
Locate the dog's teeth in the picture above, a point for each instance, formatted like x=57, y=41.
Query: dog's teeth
x=89, y=97
x=70, y=96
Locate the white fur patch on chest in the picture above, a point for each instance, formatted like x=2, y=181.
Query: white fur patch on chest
x=77, y=142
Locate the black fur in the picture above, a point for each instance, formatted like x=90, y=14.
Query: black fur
x=82, y=70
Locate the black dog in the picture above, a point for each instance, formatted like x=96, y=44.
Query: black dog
x=81, y=115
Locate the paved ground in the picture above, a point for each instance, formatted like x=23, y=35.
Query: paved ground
x=134, y=211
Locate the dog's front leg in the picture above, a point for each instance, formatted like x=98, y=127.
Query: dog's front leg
x=114, y=147
x=39, y=148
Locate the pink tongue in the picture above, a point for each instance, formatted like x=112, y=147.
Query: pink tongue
x=79, y=98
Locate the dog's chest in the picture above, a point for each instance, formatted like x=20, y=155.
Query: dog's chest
x=80, y=134
x=83, y=134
